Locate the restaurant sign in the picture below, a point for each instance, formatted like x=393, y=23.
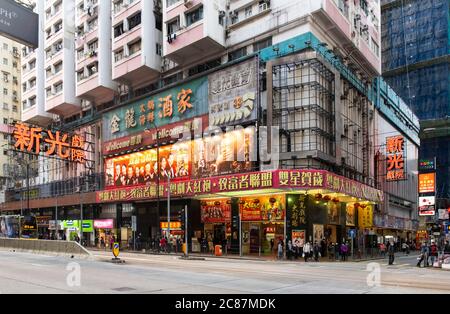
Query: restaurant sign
x=279, y=179
x=172, y=131
x=173, y=105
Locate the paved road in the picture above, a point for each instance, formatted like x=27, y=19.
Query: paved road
x=26, y=273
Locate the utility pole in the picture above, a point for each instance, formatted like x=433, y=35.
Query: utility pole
x=28, y=189
x=186, y=229
x=168, y=207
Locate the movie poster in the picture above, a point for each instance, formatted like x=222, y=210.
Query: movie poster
x=333, y=210
x=265, y=208
x=215, y=211
x=350, y=215
x=142, y=168
x=228, y=153
x=298, y=238
x=318, y=232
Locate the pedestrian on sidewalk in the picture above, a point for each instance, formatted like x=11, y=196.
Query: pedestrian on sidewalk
x=344, y=251
x=433, y=252
x=331, y=251
x=447, y=248
x=280, y=249
x=383, y=250
x=391, y=251
x=307, y=251
x=337, y=250
x=423, y=255
x=316, y=251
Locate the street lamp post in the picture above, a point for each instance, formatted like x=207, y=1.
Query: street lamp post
x=157, y=170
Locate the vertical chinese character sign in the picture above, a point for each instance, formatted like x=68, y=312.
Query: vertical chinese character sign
x=395, y=158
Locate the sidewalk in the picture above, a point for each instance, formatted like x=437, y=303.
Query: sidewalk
x=250, y=258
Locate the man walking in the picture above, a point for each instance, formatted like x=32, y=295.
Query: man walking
x=391, y=251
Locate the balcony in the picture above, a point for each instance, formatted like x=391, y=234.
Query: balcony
x=133, y=70
x=33, y=115
x=57, y=104
x=91, y=88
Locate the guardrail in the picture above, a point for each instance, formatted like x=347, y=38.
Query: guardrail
x=63, y=248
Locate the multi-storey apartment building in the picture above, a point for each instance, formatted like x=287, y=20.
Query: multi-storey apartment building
x=10, y=100
x=306, y=68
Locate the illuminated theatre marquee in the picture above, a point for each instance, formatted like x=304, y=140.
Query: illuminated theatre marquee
x=36, y=140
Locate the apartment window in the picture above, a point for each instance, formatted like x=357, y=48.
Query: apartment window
x=5, y=152
x=6, y=77
x=172, y=2
x=5, y=61
x=58, y=67
x=158, y=49
x=92, y=47
x=134, y=21
x=80, y=54
x=375, y=47
x=5, y=91
x=118, y=55
x=248, y=11
x=237, y=54
x=58, y=27
x=48, y=92
x=118, y=6
x=14, y=108
x=260, y=45
x=5, y=121
x=32, y=101
x=32, y=83
x=24, y=87
x=204, y=67
x=32, y=65
x=92, y=69
x=92, y=25
x=364, y=6
x=58, y=87
x=15, y=65
x=194, y=16
x=135, y=47
x=158, y=21
x=173, y=79
x=5, y=46
x=48, y=72
x=5, y=106
x=173, y=26
x=118, y=30
x=80, y=75
x=5, y=137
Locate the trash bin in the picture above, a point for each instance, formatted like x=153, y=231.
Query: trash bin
x=218, y=250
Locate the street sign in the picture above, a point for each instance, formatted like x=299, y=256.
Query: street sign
x=134, y=223
x=116, y=250
x=352, y=233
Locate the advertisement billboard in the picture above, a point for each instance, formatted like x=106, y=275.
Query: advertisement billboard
x=223, y=154
x=395, y=158
x=265, y=208
x=216, y=211
x=427, y=182
x=233, y=94
x=19, y=23
x=427, y=206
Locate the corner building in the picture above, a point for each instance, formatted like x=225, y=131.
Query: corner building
x=302, y=80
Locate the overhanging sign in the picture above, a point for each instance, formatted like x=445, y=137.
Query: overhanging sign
x=19, y=23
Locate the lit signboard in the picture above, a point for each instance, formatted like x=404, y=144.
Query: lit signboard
x=427, y=182
x=395, y=161
x=19, y=23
